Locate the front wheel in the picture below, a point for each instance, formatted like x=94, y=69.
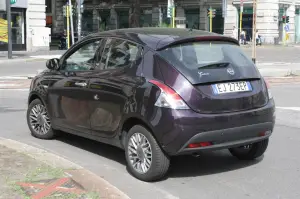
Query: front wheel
x=251, y=151
x=145, y=159
x=38, y=120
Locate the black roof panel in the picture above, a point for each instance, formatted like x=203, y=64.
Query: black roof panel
x=156, y=37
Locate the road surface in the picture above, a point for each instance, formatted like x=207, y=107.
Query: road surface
x=211, y=176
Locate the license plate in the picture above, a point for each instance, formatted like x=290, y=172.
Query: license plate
x=232, y=87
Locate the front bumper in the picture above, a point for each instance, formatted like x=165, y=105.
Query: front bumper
x=221, y=130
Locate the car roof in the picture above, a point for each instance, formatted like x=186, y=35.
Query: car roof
x=157, y=38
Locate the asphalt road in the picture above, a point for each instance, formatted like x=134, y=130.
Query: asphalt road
x=211, y=176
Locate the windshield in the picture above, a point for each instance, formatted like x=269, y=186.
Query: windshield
x=199, y=54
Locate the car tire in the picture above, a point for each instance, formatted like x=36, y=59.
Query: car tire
x=159, y=160
x=38, y=120
x=256, y=150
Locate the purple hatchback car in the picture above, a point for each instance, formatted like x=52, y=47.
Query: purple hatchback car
x=156, y=93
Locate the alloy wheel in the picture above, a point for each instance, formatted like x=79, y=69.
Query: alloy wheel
x=140, y=153
x=39, y=119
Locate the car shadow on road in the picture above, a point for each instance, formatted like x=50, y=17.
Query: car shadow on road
x=207, y=163
x=101, y=149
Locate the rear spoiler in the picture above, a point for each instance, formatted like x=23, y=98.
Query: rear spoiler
x=163, y=45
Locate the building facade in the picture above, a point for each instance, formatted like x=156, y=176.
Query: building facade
x=28, y=26
x=99, y=15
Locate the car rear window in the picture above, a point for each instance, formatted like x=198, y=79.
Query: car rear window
x=195, y=55
x=213, y=59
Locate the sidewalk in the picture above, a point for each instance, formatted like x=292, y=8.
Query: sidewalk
x=18, y=56
x=249, y=45
x=32, y=173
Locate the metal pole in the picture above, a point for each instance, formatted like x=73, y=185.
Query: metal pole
x=210, y=19
x=284, y=24
x=8, y=16
x=254, y=32
x=71, y=20
x=173, y=16
x=241, y=15
x=68, y=27
x=79, y=19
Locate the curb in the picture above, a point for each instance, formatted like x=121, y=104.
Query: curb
x=283, y=80
x=72, y=169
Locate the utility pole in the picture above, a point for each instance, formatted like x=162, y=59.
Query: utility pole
x=8, y=16
x=79, y=19
x=254, y=32
x=71, y=20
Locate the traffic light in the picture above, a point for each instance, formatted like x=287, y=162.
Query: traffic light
x=65, y=10
x=213, y=12
x=170, y=12
x=74, y=10
x=287, y=19
x=284, y=19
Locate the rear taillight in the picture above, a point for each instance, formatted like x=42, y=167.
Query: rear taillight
x=168, y=98
x=269, y=90
x=200, y=144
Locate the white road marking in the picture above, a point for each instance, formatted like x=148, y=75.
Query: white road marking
x=15, y=77
x=14, y=89
x=273, y=63
x=46, y=56
x=7, y=85
x=289, y=108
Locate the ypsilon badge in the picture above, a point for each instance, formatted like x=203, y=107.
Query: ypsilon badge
x=202, y=74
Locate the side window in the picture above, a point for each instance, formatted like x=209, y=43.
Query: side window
x=105, y=54
x=119, y=53
x=83, y=58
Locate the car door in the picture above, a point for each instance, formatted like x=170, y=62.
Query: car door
x=113, y=85
x=68, y=94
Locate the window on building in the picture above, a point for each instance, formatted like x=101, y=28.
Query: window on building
x=48, y=6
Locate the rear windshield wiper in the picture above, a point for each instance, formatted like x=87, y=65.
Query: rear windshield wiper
x=214, y=65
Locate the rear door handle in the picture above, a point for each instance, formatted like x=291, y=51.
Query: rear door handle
x=81, y=84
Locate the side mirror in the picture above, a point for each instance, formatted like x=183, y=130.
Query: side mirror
x=52, y=64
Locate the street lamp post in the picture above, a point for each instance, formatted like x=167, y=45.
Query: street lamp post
x=8, y=16
x=71, y=20
x=254, y=32
x=79, y=19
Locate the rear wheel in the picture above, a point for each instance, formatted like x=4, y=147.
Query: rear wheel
x=145, y=159
x=251, y=151
x=38, y=120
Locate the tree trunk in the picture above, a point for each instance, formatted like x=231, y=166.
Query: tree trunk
x=135, y=12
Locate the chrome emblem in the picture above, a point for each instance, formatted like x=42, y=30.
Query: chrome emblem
x=230, y=71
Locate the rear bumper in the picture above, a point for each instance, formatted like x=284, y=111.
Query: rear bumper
x=228, y=138
x=221, y=130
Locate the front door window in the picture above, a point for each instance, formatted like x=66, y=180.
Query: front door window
x=83, y=58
